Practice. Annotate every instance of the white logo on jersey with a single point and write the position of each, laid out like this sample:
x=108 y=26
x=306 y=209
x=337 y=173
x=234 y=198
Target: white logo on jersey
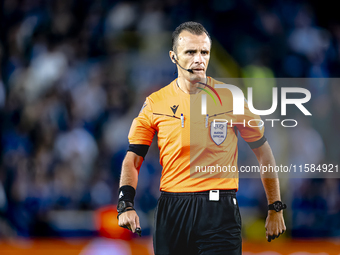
x=218 y=131
x=121 y=194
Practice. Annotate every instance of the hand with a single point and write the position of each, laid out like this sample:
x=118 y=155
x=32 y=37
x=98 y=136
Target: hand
x=129 y=220
x=275 y=225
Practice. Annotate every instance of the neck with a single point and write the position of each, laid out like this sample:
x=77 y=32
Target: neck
x=190 y=87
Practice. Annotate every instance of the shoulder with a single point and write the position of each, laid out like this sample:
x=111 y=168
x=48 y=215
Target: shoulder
x=225 y=92
x=162 y=94
x=214 y=81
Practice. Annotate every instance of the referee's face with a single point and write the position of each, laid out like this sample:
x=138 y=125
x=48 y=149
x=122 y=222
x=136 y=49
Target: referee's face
x=193 y=52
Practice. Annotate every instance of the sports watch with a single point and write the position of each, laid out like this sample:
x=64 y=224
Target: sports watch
x=277 y=206
x=122 y=205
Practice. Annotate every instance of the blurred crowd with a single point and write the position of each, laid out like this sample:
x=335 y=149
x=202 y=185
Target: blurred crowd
x=75 y=73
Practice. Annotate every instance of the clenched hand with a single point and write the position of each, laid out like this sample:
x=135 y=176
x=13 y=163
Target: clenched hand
x=129 y=220
x=275 y=225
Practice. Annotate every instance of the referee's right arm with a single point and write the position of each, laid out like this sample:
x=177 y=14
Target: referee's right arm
x=141 y=134
x=129 y=177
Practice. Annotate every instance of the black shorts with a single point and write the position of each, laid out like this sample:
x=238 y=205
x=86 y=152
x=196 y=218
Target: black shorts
x=189 y=223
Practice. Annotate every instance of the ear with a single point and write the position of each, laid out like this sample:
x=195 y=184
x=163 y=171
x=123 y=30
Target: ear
x=172 y=56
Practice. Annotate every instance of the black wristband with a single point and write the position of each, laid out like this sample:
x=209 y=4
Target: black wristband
x=126 y=193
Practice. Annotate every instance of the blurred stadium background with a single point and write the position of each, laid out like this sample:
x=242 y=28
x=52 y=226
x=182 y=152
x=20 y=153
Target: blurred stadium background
x=74 y=73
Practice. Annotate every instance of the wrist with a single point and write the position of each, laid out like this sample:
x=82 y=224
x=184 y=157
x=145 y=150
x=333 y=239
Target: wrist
x=272 y=212
x=123 y=206
x=126 y=199
x=126 y=193
x=277 y=206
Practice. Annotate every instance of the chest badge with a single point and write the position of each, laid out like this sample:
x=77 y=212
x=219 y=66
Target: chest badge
x=174 y=108
x=218 y=131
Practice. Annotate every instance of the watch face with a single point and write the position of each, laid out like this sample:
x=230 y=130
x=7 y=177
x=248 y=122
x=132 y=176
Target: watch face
x=277 y=206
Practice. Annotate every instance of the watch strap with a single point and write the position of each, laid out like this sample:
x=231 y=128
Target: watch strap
x=277 y=206
x=126 y=205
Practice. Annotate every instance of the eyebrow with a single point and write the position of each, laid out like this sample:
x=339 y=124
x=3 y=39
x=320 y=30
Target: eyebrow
x=194 y=50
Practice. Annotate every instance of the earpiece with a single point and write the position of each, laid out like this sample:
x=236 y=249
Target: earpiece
x=189 y=70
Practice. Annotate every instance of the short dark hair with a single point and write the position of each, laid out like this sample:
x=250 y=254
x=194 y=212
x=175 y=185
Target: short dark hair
x=190 y=26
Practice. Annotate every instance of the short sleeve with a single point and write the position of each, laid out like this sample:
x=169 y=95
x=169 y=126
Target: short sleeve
x=251 y=127
x=142 y=129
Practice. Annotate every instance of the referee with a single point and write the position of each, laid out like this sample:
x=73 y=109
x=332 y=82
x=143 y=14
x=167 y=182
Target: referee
x=197 y=213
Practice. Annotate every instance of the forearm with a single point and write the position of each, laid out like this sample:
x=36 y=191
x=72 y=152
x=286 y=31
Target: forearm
x=269 y=179
x=129 y=175
x=272 y=189
x=130 y=170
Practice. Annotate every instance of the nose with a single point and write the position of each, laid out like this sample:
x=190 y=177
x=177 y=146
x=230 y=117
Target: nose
x=198 y=58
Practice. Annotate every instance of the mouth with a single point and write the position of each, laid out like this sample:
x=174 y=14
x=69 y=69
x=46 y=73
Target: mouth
x=197 y=70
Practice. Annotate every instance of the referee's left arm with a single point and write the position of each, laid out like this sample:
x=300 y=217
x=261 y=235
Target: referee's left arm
x=275 y=224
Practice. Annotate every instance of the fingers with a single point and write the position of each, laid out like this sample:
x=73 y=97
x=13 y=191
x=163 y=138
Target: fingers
x=137 y=221
x=133 y=225
x=272 y=237
x=125 y=221
x=129 y=220
x=275 y=226
x=274 y=231
x=139 y=231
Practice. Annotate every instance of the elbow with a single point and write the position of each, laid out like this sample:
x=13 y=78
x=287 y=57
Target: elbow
x=127 y=163
x=132 y=162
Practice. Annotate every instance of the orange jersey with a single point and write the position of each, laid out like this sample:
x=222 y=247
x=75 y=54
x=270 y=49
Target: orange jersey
x=190 y=144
